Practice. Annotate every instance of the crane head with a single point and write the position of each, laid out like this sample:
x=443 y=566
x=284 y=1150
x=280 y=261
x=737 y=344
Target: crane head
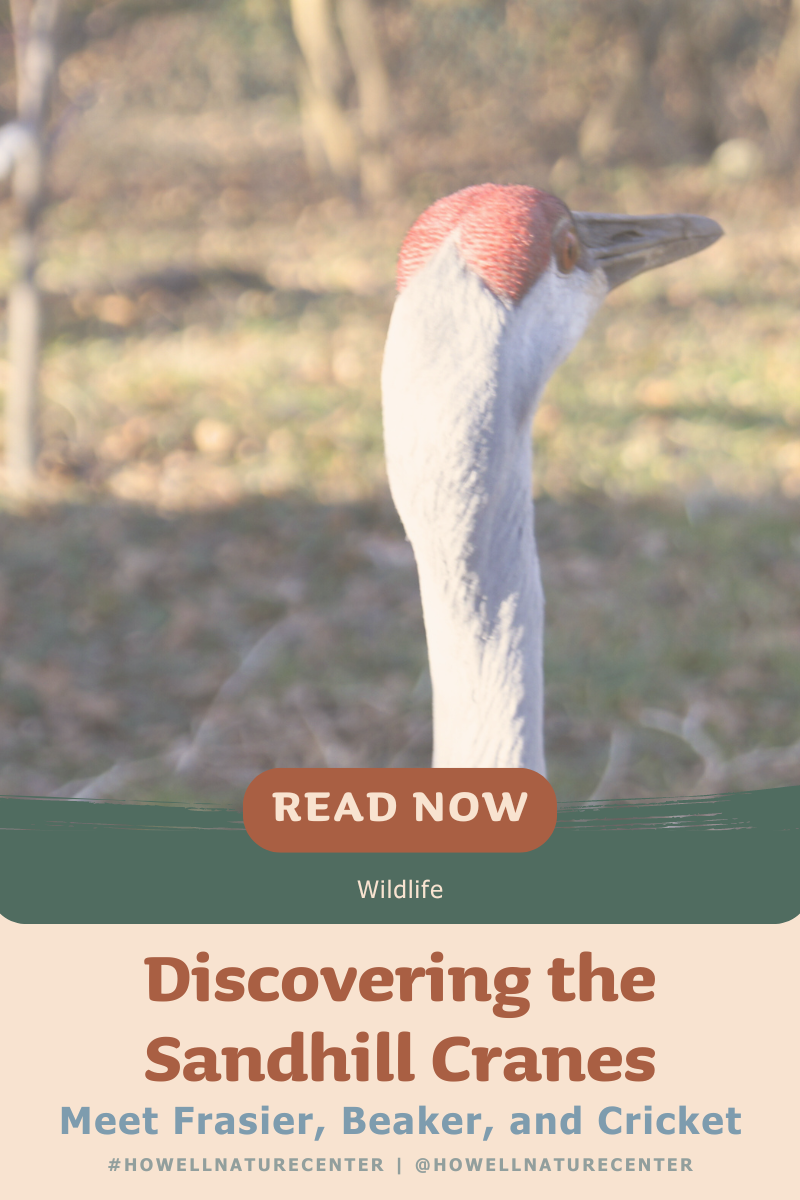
x=496 y=286
x=513 y=266
x=510 y=236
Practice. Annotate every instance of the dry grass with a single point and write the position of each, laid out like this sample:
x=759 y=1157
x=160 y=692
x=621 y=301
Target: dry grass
x=214 y=494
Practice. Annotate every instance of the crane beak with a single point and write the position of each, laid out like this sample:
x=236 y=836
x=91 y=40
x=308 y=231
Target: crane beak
x=626 y=246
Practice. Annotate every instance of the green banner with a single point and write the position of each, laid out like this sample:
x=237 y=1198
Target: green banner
x=726 y=859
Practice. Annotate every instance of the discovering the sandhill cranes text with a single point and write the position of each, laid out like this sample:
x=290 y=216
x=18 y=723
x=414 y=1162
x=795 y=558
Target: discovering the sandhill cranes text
x=496 y=286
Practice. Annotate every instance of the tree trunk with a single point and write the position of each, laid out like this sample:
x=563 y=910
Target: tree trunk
x=34 y=24
x=327 y=130
x=782 y=102
x=374 y=97
x=357 y=155
x=632 y=104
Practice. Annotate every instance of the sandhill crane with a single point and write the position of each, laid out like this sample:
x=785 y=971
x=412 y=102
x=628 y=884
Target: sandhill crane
x=496 y=285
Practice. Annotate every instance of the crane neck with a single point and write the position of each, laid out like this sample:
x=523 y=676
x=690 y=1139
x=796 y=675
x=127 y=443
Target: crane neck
x=457 y=413
x=483 y=607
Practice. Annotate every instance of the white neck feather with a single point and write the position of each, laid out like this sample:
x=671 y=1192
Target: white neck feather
x=461 y=378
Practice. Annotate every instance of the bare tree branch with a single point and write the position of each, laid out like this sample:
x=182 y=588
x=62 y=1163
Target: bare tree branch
x=719 y=772
x=34 y=42
x=619 y=757
x=15 y=143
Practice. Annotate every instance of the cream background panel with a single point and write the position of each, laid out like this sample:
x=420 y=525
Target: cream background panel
x=77 y=1022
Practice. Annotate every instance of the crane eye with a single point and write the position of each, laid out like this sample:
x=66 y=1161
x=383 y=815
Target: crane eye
x=568 y=250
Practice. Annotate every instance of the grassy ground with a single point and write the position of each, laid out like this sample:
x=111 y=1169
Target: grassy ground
x=214 y=491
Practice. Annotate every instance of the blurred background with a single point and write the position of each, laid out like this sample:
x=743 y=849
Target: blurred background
x=201 y=571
